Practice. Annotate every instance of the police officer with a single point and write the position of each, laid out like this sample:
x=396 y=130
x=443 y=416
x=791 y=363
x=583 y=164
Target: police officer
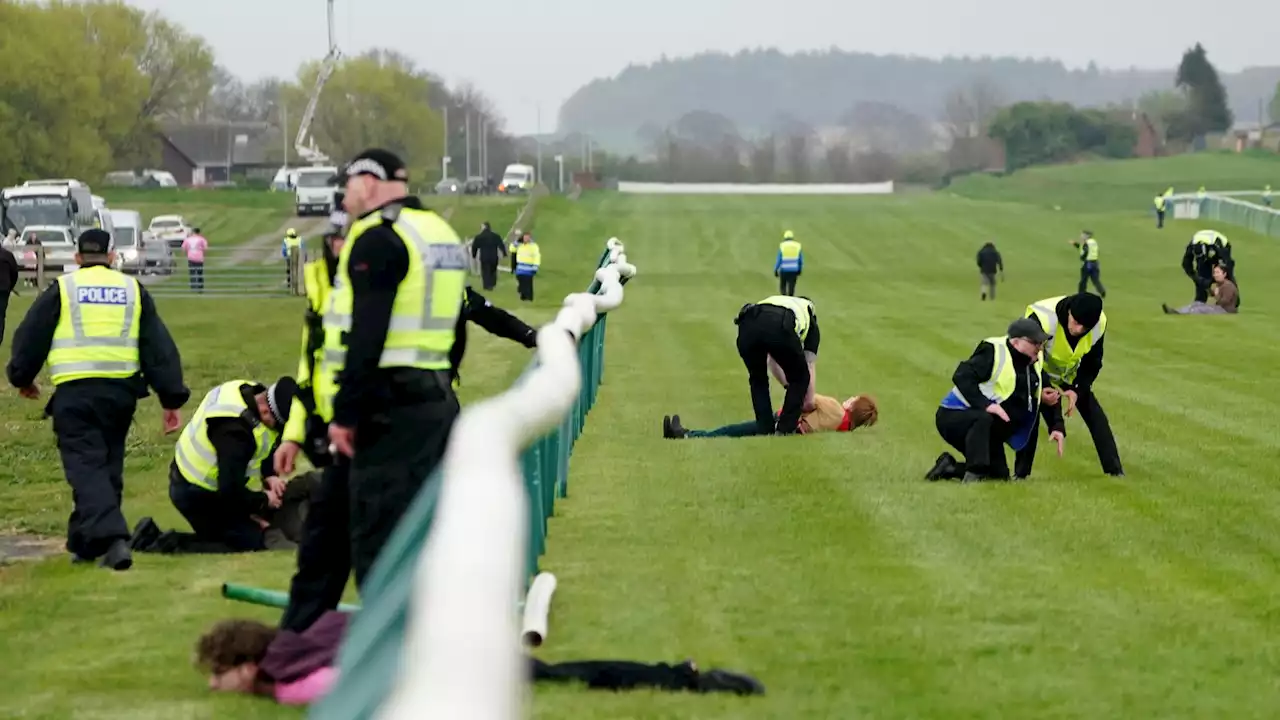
x=227 y=445
x=1089 y=269
x=1073 y=353
x=786 y=329
x=528 y=260
x=513 y=246
x=789 y=264
x=1161 y=205
x=292 y=245
x=101 y=335
x=1207 y=249
x=996 y=398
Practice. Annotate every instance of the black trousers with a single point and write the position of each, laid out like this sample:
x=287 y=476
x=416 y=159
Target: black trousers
x=217 y=528
x=513 y=263
x=787 y=283
x=195 y=272
x=489 y=272
x=524 y=283
x=979 y=437
x=4 y=310
x=766 y=331
x=1104 y=441
x=1159 y=218
x=617 y=674
x=1090 y=271
x=324 y=551
x=92 y=423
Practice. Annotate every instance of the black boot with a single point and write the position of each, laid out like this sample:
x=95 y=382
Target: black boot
x=118 y=556
x=943 y=467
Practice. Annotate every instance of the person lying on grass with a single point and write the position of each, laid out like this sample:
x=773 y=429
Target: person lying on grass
x=249 y=657
x=820 y=413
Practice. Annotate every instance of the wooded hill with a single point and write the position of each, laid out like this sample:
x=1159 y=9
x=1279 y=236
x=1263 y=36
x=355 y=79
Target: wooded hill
x=767 y=91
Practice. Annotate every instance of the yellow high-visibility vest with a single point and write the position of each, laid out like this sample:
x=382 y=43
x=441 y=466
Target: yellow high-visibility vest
x=798 y=307
x=1061 y=361
x=292 y=241
x=1209 y=237
x=1159 y=202
x=428 y=300
x=195 y=456
x=315 y=280
x=1003 y=381
x=1091 y=250
x=98 y=326
x=528 y=258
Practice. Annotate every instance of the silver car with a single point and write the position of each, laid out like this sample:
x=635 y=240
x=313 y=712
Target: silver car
x=157 y=256
x=59 y=248
x=128 y=241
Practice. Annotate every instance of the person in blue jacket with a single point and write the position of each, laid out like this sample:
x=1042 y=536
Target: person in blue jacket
x=789 y=264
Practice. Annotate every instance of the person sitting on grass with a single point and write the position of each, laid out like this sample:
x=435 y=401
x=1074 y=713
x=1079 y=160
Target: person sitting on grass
x=1226 y=298
x=249 y=657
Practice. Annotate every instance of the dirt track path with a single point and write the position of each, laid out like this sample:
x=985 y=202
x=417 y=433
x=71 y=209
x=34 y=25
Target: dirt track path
x=266 y=248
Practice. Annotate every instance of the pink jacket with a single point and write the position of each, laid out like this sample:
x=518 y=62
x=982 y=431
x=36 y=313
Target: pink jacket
x=195 y=245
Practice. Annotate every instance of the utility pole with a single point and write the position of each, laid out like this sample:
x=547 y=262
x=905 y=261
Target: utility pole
x=591 y=166
x=467 y=134
x=284 y=131
x=444 y=157
x=538 y=109
x=560 y=162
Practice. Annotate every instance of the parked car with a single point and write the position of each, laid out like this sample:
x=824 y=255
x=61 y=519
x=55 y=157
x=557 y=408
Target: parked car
x=171 y=229
x=157 y=255
x=448 y=186
x=475 y=185
x=59 y=248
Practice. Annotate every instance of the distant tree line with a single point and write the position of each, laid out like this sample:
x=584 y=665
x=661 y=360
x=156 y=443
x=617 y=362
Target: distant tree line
x=88 y=87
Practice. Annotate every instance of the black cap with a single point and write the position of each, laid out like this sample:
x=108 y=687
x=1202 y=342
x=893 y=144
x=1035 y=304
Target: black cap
x=280 y=398
x=1086 y=308
x=94 y=242
x=381 y=164
x=1027 y=329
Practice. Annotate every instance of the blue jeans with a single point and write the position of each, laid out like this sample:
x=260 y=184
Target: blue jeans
x=742 y=429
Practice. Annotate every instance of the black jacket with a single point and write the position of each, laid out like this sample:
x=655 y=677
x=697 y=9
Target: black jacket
x=977 y=369
x=234 y=444
x=8 y=271
x=989 y=260
x=494 y=319
x=157 y=353
x=1091 y=363
x=488 y=246
x=1202 y=265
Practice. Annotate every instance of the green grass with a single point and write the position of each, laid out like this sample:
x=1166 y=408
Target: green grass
x=1122 y=184
x=223 y=226
x=825 y=565
x=238 y=199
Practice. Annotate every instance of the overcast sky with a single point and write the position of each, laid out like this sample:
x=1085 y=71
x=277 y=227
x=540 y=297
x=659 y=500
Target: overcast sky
x=530 y=53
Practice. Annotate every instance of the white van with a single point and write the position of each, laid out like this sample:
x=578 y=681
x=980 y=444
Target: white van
x=517 y=178
x=128 y=240
x=314 y=190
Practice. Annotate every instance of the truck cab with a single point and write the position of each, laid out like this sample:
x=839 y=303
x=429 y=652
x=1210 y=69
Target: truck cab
x=517 y=178
x=65 y=203
x=314 y=189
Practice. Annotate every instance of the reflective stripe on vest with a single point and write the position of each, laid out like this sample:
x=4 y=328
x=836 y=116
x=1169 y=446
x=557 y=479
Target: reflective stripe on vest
x=1000 y=387
x=528 y=258
x=798 y=307
x=1209 y=237
x=1061 y=361
x=427 y=305
x=98 y=326
x=1091 y=250
x=790 y=252
x=195 y=456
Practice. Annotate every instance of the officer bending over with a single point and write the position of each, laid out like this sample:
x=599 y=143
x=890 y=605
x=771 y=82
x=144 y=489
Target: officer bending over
x=786 y=329
x=996 y=399
x=227 y=445
x=1075 y=325
x=105 y=343
x=1208 y=249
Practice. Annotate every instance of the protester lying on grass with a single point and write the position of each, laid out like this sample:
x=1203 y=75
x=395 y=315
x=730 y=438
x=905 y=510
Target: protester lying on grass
x=245 y=656
x=828 y=415
x=1226 y=298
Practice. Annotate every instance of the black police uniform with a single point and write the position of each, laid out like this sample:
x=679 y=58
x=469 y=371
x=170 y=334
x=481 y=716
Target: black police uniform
x=766 y=331
x=488 y=247
x=1198 y=261
x=8 y=284
x=403 y=415
x=91 y=417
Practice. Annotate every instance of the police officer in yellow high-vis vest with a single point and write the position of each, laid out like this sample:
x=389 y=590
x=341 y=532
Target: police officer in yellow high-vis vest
x=1207 y=250
x=101 y=336
x=997 y=397
x=786 y=329
x=528 y=261
x=1076 y=326
x=291 y=250
x=1089 y=268
x=789 y=264
x=390 y=320
x=1162 y=205
x=225 y=449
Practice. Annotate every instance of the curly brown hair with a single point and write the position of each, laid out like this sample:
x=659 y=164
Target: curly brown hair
x=865 y=412
x=233 y=642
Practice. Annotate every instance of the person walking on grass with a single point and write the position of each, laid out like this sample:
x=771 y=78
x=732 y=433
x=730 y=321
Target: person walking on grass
x=195 y=245
x=989 y=262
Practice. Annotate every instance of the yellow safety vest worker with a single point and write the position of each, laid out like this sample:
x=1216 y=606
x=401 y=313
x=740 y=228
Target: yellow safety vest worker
x=798 y=307
x=1091 y=250
x=195 y=456
x=528 y=259
x=292 y=241
x=98 y=326
x=1000 y=386
x=788 y=256
x=1160 y=202
x=428 y=300
x=1062 y=361
x=315 y=280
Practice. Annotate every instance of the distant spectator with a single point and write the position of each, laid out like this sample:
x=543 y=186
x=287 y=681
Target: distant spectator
x=195 y=246
x=989 y=261
x=487 y=247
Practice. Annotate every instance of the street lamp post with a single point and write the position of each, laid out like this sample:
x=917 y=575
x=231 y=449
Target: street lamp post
x=560 y=163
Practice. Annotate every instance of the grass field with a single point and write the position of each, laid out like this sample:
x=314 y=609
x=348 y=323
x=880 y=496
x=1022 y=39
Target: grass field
x=824 y=565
